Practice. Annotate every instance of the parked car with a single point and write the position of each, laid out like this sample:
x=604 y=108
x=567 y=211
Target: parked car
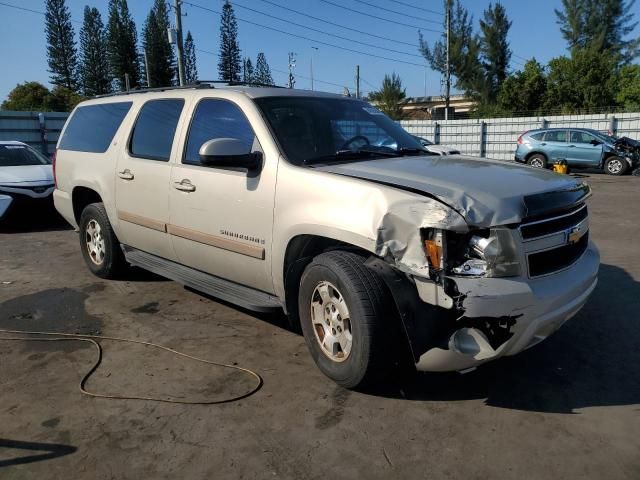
x=580 y=147
x=277 y=198
x=437 y=149
x=26 y=178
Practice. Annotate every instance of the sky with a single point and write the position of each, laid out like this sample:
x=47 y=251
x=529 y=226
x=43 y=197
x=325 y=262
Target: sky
x=534 y=33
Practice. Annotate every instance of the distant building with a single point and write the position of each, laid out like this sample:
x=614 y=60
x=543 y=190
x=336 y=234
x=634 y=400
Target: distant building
x=432 y=108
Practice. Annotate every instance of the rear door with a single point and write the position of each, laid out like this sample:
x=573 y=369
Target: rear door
x=142 y=177
x=581 y=152
x=221 y=218
x=554 y=144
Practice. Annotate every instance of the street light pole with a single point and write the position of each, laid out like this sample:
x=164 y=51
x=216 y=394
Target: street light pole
x=316 y=49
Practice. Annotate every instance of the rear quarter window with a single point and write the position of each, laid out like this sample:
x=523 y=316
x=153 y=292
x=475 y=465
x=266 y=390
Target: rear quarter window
x=537 y=136
x=91 y=128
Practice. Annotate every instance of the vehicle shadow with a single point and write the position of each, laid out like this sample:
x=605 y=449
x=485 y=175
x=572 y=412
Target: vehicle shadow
x=591 y=361
x=45 y=451
x=48 y=220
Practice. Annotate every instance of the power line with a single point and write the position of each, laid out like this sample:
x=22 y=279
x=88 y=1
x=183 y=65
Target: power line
x=287 y=73
x=30 y=10
x=318 y=42
x=325 y=33
x=417 y=8
x=380 y=18
x=351 y=29
x=397 y=13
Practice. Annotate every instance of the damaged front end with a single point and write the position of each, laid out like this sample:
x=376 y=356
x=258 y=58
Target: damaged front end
x=466 y=295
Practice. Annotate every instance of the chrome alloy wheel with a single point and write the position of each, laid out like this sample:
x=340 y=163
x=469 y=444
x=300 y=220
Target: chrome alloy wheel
x=95 y=242
x=614 y=166
x=331 y=322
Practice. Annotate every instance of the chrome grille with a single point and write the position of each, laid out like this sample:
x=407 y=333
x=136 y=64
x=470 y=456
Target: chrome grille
x=554 y=243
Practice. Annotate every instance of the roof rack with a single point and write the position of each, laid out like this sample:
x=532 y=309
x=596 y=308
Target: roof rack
x=197 y=84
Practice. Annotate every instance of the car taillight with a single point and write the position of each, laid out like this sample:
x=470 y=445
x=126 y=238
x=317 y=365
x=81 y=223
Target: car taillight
x=53 y=163
x=520 y=139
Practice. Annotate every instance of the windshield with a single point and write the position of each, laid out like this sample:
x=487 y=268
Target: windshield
x=313 y=128
x=20 y=156
x=603 y=136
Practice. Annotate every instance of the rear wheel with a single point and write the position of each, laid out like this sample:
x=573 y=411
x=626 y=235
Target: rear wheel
x=537 y=160
x=345 y=319
x=99 y=244
x=615 y=165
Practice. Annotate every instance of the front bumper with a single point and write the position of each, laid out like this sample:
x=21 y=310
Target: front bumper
x=13 y=198
x=531 y=308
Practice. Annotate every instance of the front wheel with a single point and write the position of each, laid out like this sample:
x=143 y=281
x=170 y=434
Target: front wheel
x=615 y=165
x=345 y=318
x=99 y=244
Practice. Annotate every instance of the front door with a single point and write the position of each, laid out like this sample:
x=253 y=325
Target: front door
x=584 y=150
x=142 y=178
x=555 y=145
x=221 y=219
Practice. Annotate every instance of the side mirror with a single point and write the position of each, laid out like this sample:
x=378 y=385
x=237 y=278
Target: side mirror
x=595 y=142
x=229 y=152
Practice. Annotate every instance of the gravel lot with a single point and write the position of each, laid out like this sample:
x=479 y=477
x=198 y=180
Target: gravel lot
x=567 y=408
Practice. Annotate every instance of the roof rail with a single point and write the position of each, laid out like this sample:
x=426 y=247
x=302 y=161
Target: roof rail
x=197 y=84
x=238 y=83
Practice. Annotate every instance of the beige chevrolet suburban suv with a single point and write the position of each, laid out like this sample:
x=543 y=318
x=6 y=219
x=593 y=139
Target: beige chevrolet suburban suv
x=322 y=206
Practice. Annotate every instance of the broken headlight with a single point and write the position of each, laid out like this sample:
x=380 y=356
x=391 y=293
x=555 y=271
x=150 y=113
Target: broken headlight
x=488 y=253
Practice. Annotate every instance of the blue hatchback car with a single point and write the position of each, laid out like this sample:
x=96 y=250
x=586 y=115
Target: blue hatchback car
x=580 y=147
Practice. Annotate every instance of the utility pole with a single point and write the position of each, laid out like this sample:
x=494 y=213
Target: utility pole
x=316 y=49
x=176 y=7
x=292 y=64
x=127 y=85
x=447 y=98
x=357 y=81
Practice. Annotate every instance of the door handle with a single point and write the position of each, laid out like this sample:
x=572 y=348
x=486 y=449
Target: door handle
x=126 y=174
x=184 y=186
x=570 y=146
x=543 y=144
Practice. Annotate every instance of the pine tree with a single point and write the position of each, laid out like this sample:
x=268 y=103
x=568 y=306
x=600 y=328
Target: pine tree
x=122 y=45
x=390 y=96
x=262 y=73
x=94 y=71
x=494 y=47
x=61 y=48
x=229 y=67
x=600 y=25
x=190 y=67
x=464 y=51
x=160 y=57
x=247 y=71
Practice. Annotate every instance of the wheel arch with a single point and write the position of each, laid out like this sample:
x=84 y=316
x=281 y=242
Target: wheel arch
x=300 y=251
x=81 y=197
x=536 y=152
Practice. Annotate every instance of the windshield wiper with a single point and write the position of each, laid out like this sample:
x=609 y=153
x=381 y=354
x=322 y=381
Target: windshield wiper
x=350 y=155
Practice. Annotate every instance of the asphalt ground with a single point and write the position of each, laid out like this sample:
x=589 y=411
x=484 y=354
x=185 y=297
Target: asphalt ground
x=567 y=408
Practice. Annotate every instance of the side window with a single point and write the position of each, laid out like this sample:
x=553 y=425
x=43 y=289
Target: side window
x=216 y=119
x=555 y=136
x=581 y=137
x=537 y=136
x=91 y=128
x=155 y=128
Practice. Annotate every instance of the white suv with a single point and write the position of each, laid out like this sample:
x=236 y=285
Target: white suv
x=322 y=206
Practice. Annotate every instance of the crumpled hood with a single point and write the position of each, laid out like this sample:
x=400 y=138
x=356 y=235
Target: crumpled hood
x=28 y=175
x=485 y=192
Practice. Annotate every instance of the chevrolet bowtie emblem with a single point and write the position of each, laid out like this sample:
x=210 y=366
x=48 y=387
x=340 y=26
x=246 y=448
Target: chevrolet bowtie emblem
x=574 y=234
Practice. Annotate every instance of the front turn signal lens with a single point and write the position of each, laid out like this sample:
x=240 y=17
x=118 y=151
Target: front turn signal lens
x=434 y=252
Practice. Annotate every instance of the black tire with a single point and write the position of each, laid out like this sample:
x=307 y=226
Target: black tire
x=537 y=160
x=370 y=318
x=113 y=263
x=615 y=165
